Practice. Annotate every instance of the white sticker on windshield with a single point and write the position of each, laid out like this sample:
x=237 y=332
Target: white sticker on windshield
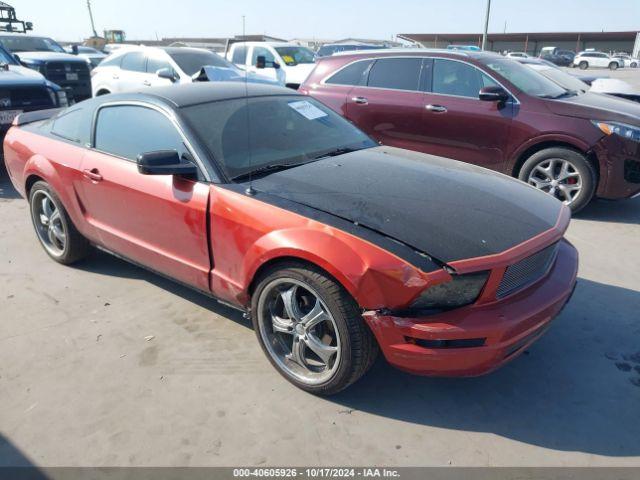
x=307 y=110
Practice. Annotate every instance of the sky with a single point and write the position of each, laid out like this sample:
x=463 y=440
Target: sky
x=322 y=19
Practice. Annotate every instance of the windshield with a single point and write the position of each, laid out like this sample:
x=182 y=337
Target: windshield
x=192 y=61
x=294 y=55
x=30 y=44
x=563 y=79
x=264 y=132
x=525 y=79
x=5 y=57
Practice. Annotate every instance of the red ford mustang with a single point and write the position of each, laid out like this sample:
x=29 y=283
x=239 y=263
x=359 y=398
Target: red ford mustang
x=269 y=201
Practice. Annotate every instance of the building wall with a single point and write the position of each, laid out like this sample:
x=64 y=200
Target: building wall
x=533 y=46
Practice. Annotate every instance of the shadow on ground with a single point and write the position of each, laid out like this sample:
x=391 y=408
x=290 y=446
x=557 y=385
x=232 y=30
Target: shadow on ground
x=6 y=188
x=623 y=211
x=15 y=465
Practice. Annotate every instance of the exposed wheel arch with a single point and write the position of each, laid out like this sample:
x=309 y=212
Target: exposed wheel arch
x=31 y=179
x=102 y=91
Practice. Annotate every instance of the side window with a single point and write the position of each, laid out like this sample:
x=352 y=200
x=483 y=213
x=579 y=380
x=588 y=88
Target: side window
x=111 y=61
x=127 y=131
x=134 y=62
x=353 y=74
x=261 y=51
x=396 y=73
x=451 y=77
x=154 y=64
x=72 y=125
x=239 y=55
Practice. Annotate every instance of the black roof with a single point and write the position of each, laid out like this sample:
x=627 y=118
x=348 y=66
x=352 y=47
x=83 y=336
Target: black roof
x=178 y=96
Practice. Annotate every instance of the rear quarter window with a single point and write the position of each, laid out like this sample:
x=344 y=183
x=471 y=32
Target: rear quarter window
x=73 y=125
x=353 y=74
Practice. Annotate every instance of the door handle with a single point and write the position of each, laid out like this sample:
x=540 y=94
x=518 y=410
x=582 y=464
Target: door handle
x=360 y=100
x=436 y=108
x=147 y=83
x=93 y=174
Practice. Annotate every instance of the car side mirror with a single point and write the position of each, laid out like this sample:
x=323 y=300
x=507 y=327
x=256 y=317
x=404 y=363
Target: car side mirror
x=167 y=73
x=276 y=65
x=74 y=50
x=261 y=62
x=165 y=162
x=493 y=94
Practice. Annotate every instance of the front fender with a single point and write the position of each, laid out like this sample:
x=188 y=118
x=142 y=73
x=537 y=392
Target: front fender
x=374 y=277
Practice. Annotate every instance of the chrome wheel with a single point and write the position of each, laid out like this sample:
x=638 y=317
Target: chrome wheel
x=557 y=177
x=47 y=220
x=298 y=331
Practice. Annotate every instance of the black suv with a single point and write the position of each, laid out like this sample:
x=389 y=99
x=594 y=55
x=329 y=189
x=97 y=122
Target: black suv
x=50 y=59
x=23 y=90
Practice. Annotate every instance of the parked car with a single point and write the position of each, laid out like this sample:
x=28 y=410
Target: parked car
x=331 y=48
x=584 y=60
x=456 y=275
x=517 y=55
x=557 y=56
x=578 y=83
x=49 y=58
x=93 y=56
x=627 y=60
x=24 y=90
x=133 y=68
x=284 y=62
x=464 y=48
x=492 y=111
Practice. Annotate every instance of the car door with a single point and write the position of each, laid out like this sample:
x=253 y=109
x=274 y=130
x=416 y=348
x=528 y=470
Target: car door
x=133 y=72
x=461 y=126
x=389 y=106
x=158 y=221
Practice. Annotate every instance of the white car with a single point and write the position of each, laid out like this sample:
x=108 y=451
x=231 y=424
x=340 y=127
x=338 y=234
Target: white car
x=517 y=55
x=93 y=56
x=284 y=62
x=587 y=59
x=628 y=60
x=134 y=68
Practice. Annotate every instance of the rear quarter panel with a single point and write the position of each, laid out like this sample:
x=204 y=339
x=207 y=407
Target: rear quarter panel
x=30 y=155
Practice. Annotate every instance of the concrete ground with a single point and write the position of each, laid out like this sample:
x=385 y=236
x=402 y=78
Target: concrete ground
x=83 y=383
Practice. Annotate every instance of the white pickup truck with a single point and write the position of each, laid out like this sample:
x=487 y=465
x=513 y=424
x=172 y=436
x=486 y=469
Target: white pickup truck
x=288 y=63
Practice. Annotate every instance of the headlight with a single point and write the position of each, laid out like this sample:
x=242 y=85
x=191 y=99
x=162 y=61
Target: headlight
x=460 y=291
x=63 y=101
x=614 y=128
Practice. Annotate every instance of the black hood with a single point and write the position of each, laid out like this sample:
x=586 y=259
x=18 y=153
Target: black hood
x=444 y=208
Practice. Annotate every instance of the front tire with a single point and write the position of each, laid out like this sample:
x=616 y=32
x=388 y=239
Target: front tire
x=55 y=230
x=583 y=65
x=613 y=66
x=563 y=173
x=311 y=329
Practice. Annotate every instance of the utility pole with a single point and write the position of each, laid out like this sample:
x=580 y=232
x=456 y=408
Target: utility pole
x=486 y=26
x=243 y=30
x=93 y=26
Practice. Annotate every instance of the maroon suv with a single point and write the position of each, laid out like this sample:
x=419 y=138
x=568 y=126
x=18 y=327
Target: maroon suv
x=488 y=110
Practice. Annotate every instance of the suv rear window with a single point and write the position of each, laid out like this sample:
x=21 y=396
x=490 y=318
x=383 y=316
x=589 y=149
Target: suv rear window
x=353 y=74
x=396 y=73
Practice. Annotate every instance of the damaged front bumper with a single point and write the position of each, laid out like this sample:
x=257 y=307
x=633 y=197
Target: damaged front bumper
x=477 y=339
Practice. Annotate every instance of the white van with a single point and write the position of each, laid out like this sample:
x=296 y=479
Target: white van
x=286 y=62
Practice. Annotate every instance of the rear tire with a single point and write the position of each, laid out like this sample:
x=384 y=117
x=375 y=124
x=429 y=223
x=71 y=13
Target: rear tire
x=55 y=230
x=613 y=66
x=583 y=65
x=575 y=185
x=634 y=65
x=347 y=348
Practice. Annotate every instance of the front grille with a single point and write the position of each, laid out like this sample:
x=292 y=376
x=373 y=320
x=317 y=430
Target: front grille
x=25 y=98
x=57 y=72
x=527 y=271
x=632 y=171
